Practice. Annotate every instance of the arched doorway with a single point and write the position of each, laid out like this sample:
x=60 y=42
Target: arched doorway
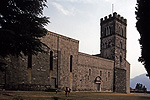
x=98 y=82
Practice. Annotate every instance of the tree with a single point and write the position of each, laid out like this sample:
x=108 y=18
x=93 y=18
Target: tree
x=21 y=27
x=140 y=87
x=142 y=25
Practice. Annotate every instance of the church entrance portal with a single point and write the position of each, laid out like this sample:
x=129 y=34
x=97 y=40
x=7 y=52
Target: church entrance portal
x=98 y=87
x=98 y=82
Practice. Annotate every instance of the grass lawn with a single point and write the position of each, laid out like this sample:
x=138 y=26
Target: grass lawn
x=39 y=95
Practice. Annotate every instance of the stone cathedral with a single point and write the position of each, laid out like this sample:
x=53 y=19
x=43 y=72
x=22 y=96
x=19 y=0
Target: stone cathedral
x=64 y=66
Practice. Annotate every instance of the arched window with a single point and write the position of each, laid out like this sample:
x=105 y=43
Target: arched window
x=51 y=60
x=71 y=63
x=107 y=31
x=121 y=31
x=108 y=74
x=100 y=73
x=120 y=58
x=121 y=45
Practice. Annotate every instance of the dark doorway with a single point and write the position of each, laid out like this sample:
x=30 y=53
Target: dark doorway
x=53 y=83
x=98 y=87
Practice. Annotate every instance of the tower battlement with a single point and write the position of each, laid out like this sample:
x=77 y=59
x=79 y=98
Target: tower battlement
x=112 y=17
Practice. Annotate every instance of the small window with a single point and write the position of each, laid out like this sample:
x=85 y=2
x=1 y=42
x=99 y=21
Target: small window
x=100 y=73
x=107 y=31
x=120 y=58
x=121 y=45
x=51 y=60
x=89 y=72
x=121 y=31
x=71 y=63
x=108 y=74
x=110 y=30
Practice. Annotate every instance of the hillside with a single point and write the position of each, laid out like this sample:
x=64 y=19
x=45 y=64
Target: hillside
x=143 y=79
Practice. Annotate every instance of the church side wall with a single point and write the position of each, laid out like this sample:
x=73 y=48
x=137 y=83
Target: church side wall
x=19 y=77
x=85 y=69
x=89 y=68
x=40 y=77
x=66 y=47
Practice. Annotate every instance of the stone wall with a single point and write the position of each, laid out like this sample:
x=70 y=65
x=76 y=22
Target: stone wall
x=19 y=77
x=10 y=74
x=68 y=47
x=107 y=47
x=85 y=69
x=120 y=80
x=120 y=51
x=40 y=76
x=89 y=68
x=127 y=77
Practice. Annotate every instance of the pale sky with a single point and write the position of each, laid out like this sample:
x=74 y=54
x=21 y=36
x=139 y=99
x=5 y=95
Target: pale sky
x=80 y=19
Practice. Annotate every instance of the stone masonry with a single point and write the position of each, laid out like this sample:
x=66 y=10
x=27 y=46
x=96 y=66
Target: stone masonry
x=113 y=46
x=64 y=66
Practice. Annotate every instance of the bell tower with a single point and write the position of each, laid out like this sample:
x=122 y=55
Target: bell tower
x=113 y=47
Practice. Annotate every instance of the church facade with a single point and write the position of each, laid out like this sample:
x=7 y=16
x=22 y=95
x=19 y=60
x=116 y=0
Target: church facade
x=64 y=66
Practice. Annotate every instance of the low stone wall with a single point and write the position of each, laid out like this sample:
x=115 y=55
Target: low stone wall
x=27 y=87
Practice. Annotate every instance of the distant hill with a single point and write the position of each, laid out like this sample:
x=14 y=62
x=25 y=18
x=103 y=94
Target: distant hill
x=143 y=79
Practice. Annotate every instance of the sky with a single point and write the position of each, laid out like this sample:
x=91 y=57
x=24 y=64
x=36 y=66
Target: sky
x=80 y=20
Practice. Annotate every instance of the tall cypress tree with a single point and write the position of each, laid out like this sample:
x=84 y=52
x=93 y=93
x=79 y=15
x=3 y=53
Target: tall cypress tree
x=21 y=27
x=143 y=27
